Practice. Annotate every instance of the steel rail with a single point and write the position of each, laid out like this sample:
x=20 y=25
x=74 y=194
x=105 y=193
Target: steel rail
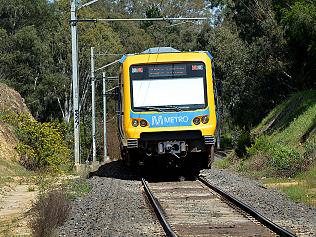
x=159 y=211
x=250 y=210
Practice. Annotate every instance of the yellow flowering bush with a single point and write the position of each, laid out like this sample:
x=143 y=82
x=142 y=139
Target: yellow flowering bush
x=41 y=145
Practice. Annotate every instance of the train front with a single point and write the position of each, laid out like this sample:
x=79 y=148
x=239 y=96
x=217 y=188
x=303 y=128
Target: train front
x=168 y=108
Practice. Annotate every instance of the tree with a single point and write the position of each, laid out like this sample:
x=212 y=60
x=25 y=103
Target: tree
x=299 y=22
x=249 y=50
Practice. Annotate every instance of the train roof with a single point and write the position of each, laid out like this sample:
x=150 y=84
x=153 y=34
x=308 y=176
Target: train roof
x=161 y=50
x=158 y=50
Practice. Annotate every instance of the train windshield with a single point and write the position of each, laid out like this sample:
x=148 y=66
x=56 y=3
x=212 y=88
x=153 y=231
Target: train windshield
x=168 y=87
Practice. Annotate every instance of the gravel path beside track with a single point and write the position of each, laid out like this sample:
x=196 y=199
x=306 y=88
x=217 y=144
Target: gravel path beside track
x=114 y=207
x=296 y=217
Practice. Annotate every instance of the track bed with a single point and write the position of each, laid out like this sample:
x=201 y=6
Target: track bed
x=192 y=209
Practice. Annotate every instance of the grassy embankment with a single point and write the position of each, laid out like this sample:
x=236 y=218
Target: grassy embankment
x=283 y=150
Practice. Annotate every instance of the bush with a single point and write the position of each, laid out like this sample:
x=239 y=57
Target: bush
x=49 y=212
x=284 y=159
x=41 y=145
x=226 y=141
x=244 y=141
x=261 y=145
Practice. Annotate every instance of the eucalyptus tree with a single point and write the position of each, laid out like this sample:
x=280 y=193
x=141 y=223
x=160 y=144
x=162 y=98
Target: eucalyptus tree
x=250 y=50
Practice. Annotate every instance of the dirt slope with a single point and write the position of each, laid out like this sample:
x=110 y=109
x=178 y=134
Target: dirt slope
x=15 y=196
x=10 y=100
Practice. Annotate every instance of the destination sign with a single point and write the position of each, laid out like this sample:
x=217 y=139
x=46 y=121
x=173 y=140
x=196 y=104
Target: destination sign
x=168 y=70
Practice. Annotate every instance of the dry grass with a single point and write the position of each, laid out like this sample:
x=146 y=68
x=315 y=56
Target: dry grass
x=49 y=212
x=257 y=162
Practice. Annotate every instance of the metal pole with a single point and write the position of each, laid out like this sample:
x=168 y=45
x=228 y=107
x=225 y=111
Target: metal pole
x=94 y=159
x=104 y=118
x=75 y=82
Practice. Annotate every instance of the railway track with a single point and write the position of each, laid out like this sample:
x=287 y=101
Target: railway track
x=197 y=208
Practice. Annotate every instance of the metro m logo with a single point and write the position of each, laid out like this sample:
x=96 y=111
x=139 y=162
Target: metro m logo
x=157 y=120
x=165 y=121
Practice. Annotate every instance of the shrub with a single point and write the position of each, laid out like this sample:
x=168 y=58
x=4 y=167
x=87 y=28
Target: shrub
x=41 y=145
x=261 y=145
x=226 y=141
x=244 y=141
x=285 y=159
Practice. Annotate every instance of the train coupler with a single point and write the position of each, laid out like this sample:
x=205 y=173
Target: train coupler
x=172 y=147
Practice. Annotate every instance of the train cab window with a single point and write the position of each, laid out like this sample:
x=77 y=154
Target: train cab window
x=178 y=86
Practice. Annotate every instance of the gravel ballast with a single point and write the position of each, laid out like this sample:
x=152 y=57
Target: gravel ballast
x=114 y=207
x=296 y=217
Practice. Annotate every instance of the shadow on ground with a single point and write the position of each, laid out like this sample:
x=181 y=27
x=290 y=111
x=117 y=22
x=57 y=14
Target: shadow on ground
x=153 y=172
x=117 y=170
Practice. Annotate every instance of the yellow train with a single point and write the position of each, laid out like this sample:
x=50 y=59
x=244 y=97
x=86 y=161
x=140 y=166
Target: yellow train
x=167 y=107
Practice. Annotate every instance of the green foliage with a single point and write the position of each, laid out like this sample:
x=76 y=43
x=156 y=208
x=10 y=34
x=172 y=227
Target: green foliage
x=244 y=141
x=310 y=151
x=262 y=145
x=299 y=22
x=301 y=104
x=11 y=171
x=222 y=163
x=277 y=159
x=226 y=141
x=280 y=159
x=286 y=138
x=285 y=159
x=301 y=193
x=41 y=145
x=78 y=188
x=242 y=166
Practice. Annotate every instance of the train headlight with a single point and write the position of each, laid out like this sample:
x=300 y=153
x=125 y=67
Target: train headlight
x=135 y=123
x=196 y=121
x=143 y=123
x=205 y=119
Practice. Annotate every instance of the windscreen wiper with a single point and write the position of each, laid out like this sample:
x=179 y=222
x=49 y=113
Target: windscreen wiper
x=151 y=108
x=171 y=107
x=163 y=108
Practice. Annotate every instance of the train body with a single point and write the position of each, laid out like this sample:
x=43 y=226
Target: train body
x=167 y=107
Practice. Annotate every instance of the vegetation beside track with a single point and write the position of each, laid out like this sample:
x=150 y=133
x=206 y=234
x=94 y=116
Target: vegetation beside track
x=282 y=148
x=33 y=155
x=54 y=202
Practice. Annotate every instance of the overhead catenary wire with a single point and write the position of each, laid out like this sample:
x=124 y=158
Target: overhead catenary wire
x=109 y=54
x=142 y=19
x=107 y=65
